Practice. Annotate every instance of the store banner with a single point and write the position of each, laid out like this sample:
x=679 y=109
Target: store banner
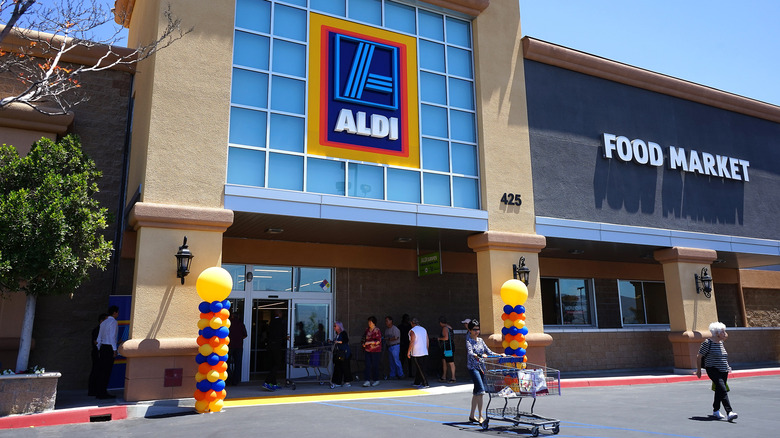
x=428 y=264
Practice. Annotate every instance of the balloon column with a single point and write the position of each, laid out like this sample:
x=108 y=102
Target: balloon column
x=213 y=286
x=514 y=293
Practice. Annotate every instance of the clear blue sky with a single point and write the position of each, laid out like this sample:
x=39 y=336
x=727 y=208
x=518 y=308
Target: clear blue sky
x=731 y=45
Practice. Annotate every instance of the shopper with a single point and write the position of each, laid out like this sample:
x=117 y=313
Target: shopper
x=372 y=345
x=107 y=349
x=476 y=349
x=342 y=354
x=393 y=342
x=418 y=351
x=447 y=349
x=717 y=366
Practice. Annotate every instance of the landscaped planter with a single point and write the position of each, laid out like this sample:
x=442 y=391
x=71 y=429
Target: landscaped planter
x=27 y=393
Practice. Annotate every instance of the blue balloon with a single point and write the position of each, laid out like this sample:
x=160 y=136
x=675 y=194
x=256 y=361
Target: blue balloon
x=521 y=352
x=218 y=385
x=226 y=304
x=508 y=309
x=199 y=358
x=223 y=358
x=216 y=306
x=222 y=332
x=524 y=331
x=509 y=351
x=504 y=331
x=204 y=307
x=203 y=386
x=212 y=359
x=208 y=332
x=519 y=309
x=513 y=330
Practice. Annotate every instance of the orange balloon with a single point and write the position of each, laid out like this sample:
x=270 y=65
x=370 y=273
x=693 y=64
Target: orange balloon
x=201 y=340
x=504 y=316
x=211 y=395
x=521 y=316
x=525 y=359
x=221 y=366
x=207 y=315
x=509 y=338
x=224 y=314
x=222 y=394
x=204 y=368
x=200 y=395
x=225 y=340
x=513 y=316
x=520 y=337
x=215 y=342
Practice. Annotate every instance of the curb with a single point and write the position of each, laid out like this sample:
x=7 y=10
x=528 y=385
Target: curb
x=648 y=380
x=65 y=416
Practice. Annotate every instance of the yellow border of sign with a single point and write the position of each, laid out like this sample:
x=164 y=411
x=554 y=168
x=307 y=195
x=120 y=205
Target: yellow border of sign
x=411 y=109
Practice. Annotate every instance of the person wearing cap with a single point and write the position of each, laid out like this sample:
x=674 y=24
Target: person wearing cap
x=476 y=349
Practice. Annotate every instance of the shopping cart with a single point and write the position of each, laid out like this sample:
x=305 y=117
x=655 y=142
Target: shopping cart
x=315 y=360
x=509 y=378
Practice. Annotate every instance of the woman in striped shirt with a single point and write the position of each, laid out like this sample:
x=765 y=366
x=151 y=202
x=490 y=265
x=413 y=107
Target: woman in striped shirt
x=717 y=366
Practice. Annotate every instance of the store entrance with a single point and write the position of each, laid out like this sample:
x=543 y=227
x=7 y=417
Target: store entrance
x=261 y=357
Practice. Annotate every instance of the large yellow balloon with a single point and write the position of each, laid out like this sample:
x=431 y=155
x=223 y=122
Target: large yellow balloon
x=514 y=292
x=205 y=349
x=214 y=284
x=221 y=350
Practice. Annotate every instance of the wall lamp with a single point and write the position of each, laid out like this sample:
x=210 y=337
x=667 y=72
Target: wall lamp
x=706 y=282
x=183 y=261
x=521 y=271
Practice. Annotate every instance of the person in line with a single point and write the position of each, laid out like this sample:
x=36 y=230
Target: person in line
x=372 y=345
x=716 y=365
x=417 y=352
x=404 y=328
x=393 y=341
x=237 y=335
x=107 y=349
x=342 y=374
x=92 y=389
x=446 y=347
x=277 y=340
x=476 y=349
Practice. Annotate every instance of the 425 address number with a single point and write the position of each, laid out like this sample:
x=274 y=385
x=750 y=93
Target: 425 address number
x=511 y=199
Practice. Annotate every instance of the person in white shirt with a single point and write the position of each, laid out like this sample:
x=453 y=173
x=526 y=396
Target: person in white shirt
x=106 y=345
x=418 y=351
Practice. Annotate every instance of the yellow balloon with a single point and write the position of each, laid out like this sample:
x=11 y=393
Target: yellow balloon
x=514 y=292
x=214 y=284
x=203 y=323
x=508 y=323
x=519 y=323
x=199 y=377
x=216 y=405
x=524 y=345
x=201 y=406
x=213 y=376
x=227 y=323
x=504 y=344
x=514 y=345
x=221 y=350
x=223 y=375
x=205 y=349
x=216 y=322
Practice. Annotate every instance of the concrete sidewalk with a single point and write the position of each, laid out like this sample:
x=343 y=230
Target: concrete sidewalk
x=75 y=407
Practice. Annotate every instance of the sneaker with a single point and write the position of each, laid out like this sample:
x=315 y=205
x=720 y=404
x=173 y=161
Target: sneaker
x=732 y=416
x=275 y=387
x=718 y=415
x=333 y=385
x=268 y=387
x=347 y=384
x=425 y=386
x=375 y=383
x=366 y=383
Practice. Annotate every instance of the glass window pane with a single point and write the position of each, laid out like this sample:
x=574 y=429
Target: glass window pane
x=314 y=280
x=312 y=322
x=465 y=192
x=431 y=25
x=249 y=88
x=464 y=159
x=254 y=14
x=461 y=93
x=272 y=278
x=631 y=302
x=551 y=309
x=296 y=2
x=403 y=185
x=289 y=58
x=325 y=176
x=237 y=273
x=366 y=181
x=287 y=133
x=251 y=50
x=247 y=127
x=462 y=126
x=285 y=172
x=335 y=7
x=459 y=62
x=437 y=189
x=458 y=32
x=369 y=11
x=431 y=56
x=434 y=121
x=436 y=155
x=433 y=88
x=287 y=94
x=290 y=22
x=246 y=167
x=575 y=301
x=655 y=303
x=399 y=17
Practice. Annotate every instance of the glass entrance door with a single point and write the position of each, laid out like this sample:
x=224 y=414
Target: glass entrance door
x=260 y=357
x=312 y=322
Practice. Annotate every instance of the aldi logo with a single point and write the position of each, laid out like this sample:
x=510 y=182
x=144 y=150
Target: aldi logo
x=362 y=93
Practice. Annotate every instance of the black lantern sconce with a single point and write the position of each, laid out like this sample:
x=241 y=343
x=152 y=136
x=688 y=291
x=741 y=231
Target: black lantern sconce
x=706 y=282
x=521 y=271
x=183 y=261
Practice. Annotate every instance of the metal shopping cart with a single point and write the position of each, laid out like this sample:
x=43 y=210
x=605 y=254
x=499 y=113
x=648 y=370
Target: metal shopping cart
x=314 y=360
x=509 y=378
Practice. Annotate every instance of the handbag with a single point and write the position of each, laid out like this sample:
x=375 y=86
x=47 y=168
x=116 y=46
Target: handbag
x=339 y=354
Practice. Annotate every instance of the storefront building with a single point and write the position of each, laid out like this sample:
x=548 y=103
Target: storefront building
x=317 y=148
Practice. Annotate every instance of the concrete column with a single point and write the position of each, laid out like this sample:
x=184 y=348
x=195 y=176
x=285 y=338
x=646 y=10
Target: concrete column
x=690 y=313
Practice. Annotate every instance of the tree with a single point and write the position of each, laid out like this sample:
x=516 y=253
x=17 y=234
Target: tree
x=50 y=223
x=37 y=38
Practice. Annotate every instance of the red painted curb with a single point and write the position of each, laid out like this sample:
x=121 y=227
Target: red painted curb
x=64 y=416
x=648 y=380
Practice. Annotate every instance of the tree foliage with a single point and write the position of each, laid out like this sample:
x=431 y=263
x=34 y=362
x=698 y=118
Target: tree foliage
x=50 y=221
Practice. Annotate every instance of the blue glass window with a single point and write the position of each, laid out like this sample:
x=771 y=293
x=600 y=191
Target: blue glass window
x=434 y=121
x=335 y=7
x=287 y=133
x=251 y=50
x=464 y=159
x=461 y=93
x=287 y=94
x=431 y=56
x=290 y=22
x=458 y=32
x=403 y=185
x=325 y=176
x=437 y=189
x=285 y=172
x=246 y=167
x=247 y=127
x=462 y=126
x=254 y=15
x=465 y=192
x=249 y=88
x=399 y=17
x=296 y=2
x=433 y=88
x=436 y=155
x=366 y=181
x=431 y=25
x=459 y=62
x=289 y=58
x=369 y=11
